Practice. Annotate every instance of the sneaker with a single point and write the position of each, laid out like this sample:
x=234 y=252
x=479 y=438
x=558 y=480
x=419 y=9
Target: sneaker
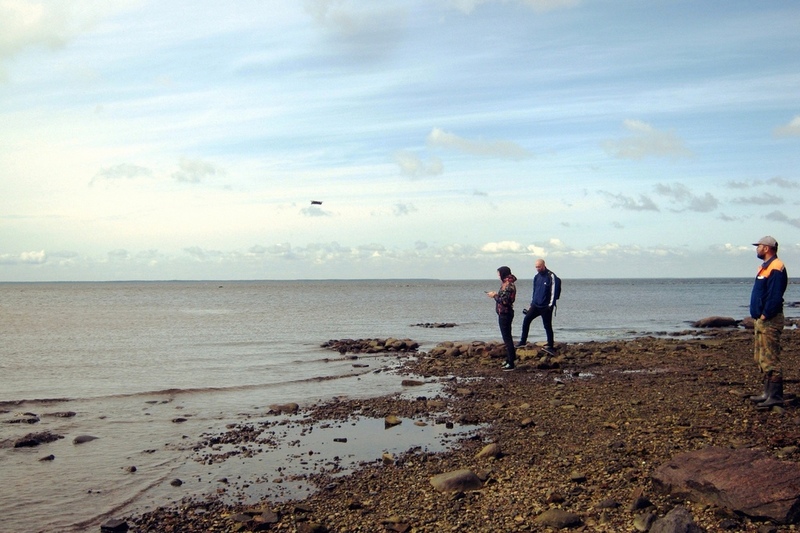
x=507 y=367
x=549 y=350
x=520 y=344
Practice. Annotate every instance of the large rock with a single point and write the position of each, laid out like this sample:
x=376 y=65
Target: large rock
x=678 y=520
x=716 y=322
x=747 y=481
x=558 y=519
x=457 y=481
x=35 y=439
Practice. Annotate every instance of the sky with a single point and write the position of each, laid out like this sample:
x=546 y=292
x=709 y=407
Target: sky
x=153 y=140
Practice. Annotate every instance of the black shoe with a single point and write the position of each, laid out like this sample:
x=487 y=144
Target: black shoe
x=520 y=344
x=507 y=367
x=549 y=350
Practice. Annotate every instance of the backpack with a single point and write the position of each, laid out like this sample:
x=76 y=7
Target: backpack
x=556 y=291
x=557 y=283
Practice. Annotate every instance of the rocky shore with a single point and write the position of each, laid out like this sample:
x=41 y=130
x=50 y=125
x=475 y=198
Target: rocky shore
x=576 y=441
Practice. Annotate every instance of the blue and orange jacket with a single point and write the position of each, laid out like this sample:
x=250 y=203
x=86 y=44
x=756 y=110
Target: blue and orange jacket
x=506 y=295
x=767 y=296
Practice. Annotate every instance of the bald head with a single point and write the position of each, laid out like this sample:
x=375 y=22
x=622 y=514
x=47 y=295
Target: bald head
x=540 y=266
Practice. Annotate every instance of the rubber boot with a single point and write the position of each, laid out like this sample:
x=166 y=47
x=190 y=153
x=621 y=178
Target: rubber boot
x=763 y=396
x=774 y=393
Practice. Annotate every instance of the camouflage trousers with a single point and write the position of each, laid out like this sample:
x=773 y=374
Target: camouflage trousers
x=767 y=348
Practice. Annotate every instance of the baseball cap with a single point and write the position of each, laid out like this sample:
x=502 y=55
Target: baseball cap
x=769 y=241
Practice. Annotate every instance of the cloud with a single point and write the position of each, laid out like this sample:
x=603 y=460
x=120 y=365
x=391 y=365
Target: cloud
x=778 y=216
x=646 y=141
x=764 y=199
x=196 y=171
x=679 y=193
x=315 y=211
x=365 y=31
x=411 y=165
x=404 y=209
x=784 y=183
x=731 y=249
x=626 y=202
x=118 y=255
x=438 y=138
x=122 y=171
x=741 y=184
x=29 y=258
x=502 y=247
x=792 y=129
x=51 y=24
x=468 y=6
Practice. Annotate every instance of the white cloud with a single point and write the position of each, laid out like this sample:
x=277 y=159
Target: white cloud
x=30 y=258
x=122 y=171
x=315 y=211
x=438 y=138
x=404 y=209
x=362 y=30
x=646 y=141
x=411 y=165
x=502 y=247
x=50 y=24
x=196 y=171
x=792 y=129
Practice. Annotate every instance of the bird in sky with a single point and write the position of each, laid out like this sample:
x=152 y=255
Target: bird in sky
x=316 y=202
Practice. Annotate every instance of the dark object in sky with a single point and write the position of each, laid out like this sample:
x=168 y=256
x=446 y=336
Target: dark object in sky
x=316 y=202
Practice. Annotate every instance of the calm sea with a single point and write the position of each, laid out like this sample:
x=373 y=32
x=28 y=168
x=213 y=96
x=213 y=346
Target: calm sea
x=130 y=357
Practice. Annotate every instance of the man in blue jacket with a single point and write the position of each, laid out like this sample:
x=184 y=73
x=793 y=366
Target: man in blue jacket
x=542 y=303
x=766 y=308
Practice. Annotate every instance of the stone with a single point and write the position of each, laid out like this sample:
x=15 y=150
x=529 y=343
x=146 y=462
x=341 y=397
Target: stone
x=643 y=522
x=716 y=322
x=35 y=439
x=678 y=520
x=114 y=525
x=558 y=519
x=81 y=439
x=746 y=481
x=391 y=420
x=490 y=450
x=457 y=480
x=285 y=408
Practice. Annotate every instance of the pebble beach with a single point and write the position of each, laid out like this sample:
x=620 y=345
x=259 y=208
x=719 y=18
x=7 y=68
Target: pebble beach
x=563 y=442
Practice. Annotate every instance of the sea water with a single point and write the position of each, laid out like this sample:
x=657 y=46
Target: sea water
x=129 y=358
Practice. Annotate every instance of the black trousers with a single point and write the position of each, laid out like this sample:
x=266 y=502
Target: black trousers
x=547 y=320
x=504 y=321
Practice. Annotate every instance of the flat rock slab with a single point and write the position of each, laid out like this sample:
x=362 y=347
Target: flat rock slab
x=748 y=481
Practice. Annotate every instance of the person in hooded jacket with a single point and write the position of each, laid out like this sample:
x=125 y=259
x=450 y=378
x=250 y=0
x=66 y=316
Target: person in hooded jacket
x=504 y=305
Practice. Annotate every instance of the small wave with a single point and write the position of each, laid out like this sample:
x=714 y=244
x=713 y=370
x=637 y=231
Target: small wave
x=192 y=390
x=16 y=403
